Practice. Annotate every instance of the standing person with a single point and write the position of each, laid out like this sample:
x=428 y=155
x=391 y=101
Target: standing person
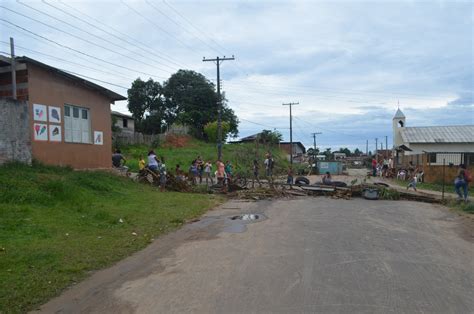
x=461 y=181
x=255 y=170
x=152 y=161
x=141 y=163
x=207 y=172
x=193 y=172
x=200 y=167
x=412 y=182
x=162 y=174
x=220 y=171
x=228 y=171
x=385 y=168
x=289 y=178
x=374 y=167
x=269 y=166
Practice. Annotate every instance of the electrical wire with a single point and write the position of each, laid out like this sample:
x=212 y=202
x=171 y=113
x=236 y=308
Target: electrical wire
x=81 y=39
x=130 y=39
x=73 y=49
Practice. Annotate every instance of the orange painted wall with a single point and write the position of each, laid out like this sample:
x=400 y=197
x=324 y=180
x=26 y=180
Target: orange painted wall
x=50 y=89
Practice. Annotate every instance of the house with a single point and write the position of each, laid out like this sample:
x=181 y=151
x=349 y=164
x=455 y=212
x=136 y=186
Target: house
x=124 y=122
x=433 y=147
x=69 y=117
x=298 y=148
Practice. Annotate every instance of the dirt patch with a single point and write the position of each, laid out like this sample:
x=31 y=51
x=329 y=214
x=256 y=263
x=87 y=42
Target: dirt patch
x=176 y=141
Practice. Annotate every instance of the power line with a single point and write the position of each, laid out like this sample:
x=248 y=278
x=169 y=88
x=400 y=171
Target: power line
x=264 y=125
x=94 y=79
x=180 y=26
x=80 y=38
x=192 y=25
x=148 y=49
x=157 y=26
x=101 y=29
x=80 y=75
x=67 y=61
x=89 y=33
x=72 y=49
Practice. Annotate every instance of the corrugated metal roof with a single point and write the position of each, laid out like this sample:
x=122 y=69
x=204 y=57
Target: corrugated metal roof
x=438 y=134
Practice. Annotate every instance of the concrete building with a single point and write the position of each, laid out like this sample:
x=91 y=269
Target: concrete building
x=125 y=122
x=69 y=117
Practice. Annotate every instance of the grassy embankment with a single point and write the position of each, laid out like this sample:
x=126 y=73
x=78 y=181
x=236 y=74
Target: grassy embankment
x=448 y=188
x=240 y=155
x=56 y=225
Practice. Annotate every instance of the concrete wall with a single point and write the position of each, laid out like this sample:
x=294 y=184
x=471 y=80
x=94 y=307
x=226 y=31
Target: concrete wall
x=130 y=124
x=51 y=89
x=15 y=143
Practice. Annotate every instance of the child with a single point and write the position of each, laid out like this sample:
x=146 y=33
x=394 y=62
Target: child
x=162 y=174
x=207 y=172
x=289 y=179
x=141 y=164
x=412 y=183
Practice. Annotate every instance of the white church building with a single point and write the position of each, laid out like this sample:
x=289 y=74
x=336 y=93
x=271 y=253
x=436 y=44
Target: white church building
x=455 y=142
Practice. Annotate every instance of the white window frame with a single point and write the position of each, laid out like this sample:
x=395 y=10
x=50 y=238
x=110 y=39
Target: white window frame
x=77 y=129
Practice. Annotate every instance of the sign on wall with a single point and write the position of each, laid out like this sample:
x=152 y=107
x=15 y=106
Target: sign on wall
x=39 y=113
x=55 y=133
x=98 y=138
x=54 y=114
x=40 y=131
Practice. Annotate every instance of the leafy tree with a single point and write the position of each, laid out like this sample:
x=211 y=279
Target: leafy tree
x=328 y=153
x=145 y=97
x=345 y=150
x=357 y=152
x=115 y=127
x=194 y=101
x=210 y=129
x=152 y=124
x=270 y=137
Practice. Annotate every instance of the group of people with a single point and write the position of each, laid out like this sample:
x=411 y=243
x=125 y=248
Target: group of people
x=383 y=168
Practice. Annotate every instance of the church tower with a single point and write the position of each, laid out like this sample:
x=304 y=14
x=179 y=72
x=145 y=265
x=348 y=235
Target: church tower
x=398 y=123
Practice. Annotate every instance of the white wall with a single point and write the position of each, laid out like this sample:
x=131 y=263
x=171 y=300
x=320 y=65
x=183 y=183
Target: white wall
x=440 y=147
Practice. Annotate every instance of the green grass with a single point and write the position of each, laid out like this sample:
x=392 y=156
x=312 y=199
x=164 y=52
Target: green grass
x=448 y=188
x=462 y=206
x=56 y=225
x=240 y=155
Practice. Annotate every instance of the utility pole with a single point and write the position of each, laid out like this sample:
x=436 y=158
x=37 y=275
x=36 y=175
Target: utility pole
x=13 y=67
x=367 y=148
x=386 y=146
x=218 y=62
x=376 y=146
x=291 y=129
x=314 y=139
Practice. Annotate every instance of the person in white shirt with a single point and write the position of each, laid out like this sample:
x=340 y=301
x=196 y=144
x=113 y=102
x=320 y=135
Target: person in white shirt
x=152 y=161
x=207 y=172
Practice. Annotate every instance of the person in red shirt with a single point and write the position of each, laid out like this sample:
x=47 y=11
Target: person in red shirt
x=374 y=167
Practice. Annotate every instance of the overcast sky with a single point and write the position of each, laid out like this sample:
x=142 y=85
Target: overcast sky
x=347 y=63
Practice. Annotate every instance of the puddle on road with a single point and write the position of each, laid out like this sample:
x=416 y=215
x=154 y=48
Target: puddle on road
x=246 y=217
x=238 y=224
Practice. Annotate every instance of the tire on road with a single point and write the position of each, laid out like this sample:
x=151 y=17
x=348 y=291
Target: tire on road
x=301 y=181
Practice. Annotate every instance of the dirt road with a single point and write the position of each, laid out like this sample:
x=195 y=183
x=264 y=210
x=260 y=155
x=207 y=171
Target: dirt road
x=310 y=255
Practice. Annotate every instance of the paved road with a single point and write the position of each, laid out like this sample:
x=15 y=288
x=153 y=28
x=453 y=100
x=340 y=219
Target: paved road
x=311 y=255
